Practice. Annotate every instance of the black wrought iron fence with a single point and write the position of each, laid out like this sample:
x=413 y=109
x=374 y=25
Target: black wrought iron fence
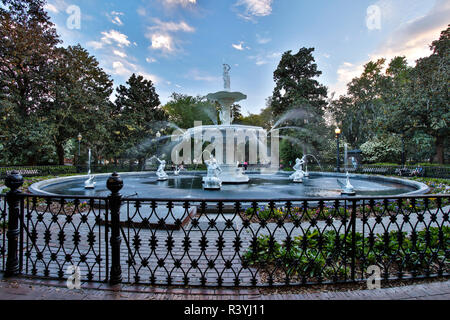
x=225 y=242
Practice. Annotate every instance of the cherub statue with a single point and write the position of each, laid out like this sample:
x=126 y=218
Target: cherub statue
x=212 y=180
x=298 y=175
x=160 y=173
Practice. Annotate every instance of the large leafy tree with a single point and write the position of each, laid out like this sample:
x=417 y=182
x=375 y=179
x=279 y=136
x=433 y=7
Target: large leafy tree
x=80 y=92
x=184 y=110
x=138 y=115
x=299 y=100
x=429 y=94
x=27 y=40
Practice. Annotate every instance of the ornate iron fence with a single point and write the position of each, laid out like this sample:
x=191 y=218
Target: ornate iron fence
x=225 y=243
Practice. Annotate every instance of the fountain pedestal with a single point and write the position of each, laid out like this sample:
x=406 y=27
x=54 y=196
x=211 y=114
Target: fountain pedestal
x=232 y=174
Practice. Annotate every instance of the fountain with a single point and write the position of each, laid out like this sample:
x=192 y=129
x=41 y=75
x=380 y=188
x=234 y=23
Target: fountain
x=298 y=175
x=227 y=143
x=89 y=183
x=160 y=173
x=231 y=173
x=212 y=180
x=348 y=189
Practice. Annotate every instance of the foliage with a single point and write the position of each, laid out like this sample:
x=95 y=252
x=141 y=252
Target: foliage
x=319 y=253
x=184 y=110
x=138 y=115
x=380 y=149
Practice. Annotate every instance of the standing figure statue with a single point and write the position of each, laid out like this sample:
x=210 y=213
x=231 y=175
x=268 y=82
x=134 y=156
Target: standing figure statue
x=226 y=77
x=160 y=173
x=212 y=180
x=298 y=175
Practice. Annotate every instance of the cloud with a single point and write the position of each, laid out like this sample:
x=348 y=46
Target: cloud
x=171 y=26
x=197 y=75
x=182 y=3
x=161 y=34
x=115 y=36
x=120 y=53
x=265 y=58
x=240 y=46
x=115 y=17
x=162 y=42
x=262 y=40
x=95 y=44
x=255 y=8
x=50 y=7
x=150 y=60
x=126 y=69
x=411 y=39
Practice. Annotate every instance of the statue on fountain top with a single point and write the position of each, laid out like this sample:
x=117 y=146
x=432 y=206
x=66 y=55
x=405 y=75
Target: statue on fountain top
x=298 y=175
x=160 y=173
x=226 y=77
x=212 y=180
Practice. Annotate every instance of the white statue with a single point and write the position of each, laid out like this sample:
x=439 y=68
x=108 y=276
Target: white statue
x=226 y=77
x=212 y=180
x=298 y=175
x=90 y=183
x=160 y=173
x=177 y=170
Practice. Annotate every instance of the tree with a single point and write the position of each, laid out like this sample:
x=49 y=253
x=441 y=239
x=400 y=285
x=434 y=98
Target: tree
x=80 y=92
x=27 y=40
x=295 y=84
x=138 y=115
x=184 y=110
x=429 y=95
x=297 y=89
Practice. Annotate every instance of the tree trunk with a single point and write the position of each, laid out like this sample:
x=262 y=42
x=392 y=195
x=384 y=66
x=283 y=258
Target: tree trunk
x=60 y=152
x=439 y=157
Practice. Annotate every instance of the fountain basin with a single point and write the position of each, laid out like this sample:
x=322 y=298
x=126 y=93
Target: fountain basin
x=189 y=185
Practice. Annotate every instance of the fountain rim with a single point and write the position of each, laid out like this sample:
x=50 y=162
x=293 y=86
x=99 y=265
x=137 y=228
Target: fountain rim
x=421 y=188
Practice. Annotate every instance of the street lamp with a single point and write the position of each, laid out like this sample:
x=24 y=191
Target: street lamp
x=338 y=133
x=79 y=143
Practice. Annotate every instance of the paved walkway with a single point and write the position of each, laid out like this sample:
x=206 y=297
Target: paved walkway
x=29 y=289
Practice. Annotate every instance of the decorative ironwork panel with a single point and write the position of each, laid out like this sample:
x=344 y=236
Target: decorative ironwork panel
x=3 y=229
x=62 y=233
x=235 y=243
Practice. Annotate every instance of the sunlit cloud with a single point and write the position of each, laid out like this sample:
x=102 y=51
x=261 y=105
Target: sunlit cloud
x=182 y=3
x=115 y=36
x=120 y=53
x=162 y=42
x=161 y=34
x=255 y=8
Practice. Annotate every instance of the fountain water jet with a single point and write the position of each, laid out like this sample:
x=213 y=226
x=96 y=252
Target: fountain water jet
x=89 y=183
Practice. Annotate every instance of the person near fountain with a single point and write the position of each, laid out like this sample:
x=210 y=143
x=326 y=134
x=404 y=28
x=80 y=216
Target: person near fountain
x=160 y=173
x=298 y=175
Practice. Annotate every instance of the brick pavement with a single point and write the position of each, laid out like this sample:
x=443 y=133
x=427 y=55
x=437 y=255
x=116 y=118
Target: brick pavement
x=31 y=289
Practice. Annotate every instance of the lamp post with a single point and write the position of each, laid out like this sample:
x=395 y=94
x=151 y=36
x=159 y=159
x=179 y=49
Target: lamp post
x=79 y=146
x=338 y=133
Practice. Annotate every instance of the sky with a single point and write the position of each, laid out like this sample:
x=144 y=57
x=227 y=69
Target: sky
x=181 y=45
